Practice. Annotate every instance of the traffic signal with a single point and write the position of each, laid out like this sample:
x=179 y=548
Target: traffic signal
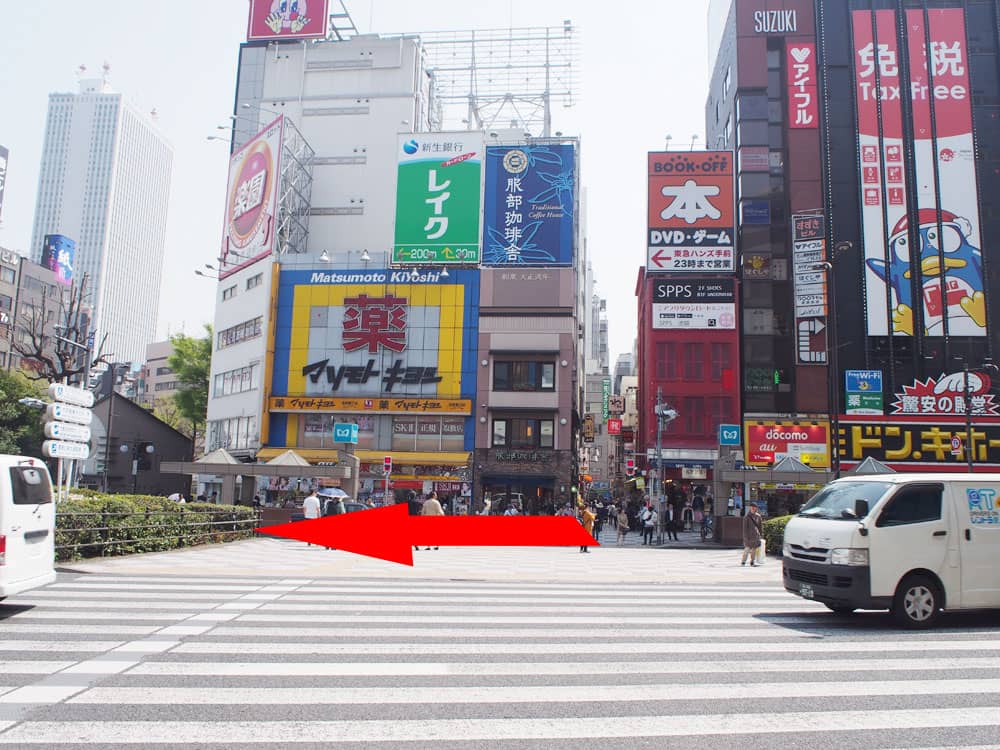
x=387 y=465
x=630 y=467
x=144 y=456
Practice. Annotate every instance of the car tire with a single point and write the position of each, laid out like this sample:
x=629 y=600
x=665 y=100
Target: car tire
x=917 y=603
x=840 y=609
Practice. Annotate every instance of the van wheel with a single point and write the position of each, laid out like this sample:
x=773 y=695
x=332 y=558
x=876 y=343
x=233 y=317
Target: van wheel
x=840 y=610
x=917 y=603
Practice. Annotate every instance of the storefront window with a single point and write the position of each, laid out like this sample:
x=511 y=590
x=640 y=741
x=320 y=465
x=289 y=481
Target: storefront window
x=523 y=433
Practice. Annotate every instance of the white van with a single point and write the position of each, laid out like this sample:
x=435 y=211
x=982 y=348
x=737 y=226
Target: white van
x=27 y=525
x=911 y=543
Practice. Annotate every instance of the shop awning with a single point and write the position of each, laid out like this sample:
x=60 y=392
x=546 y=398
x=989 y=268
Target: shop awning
x=399 y=458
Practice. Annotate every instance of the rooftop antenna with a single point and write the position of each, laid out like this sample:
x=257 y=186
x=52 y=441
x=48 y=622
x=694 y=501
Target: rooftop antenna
x=105 y=71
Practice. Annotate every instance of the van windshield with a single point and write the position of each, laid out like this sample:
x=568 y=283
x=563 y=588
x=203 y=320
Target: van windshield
x=837 y=500
x=29 y=485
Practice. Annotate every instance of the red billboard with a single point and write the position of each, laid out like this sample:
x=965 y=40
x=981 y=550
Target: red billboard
x=803 y=100
x=287 y=19
x=614 y=427
x=252 y=200
x=769 y=441
x=938 y=243
x=691 y=218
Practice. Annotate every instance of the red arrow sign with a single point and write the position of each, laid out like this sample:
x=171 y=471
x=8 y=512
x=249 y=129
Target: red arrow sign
x=391 y=533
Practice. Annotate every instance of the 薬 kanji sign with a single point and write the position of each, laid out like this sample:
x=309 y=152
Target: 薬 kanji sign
x=691 y=218
x=438 y=191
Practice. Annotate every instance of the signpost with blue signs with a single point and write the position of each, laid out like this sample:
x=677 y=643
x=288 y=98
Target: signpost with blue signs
x=863 y=392
x=345 y=432
x=729 y=434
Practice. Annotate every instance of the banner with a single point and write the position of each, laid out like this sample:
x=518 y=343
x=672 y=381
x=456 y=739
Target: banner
x=287 y=19
x=694 y=305
x=917 y=443
x=438 y=190
x=690 y=213
x=768 y=442
x=947 y=259
x=59 y=255
x=528 y=206
x=252 y=200
x=803 y=99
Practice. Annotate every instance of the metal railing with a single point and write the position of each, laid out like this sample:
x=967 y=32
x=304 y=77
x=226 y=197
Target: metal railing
x=96 y=533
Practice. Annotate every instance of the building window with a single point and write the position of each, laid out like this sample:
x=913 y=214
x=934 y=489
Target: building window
x=229 y=293
x=727 y=81
x=164 y=371
x=694 y=415
x=666 y=361
x=524 y=376
x=240 y=380
x=242 y=332
x=720 y=360
x=523 y=433
x=7 y=274
x=5 y=302
x=255 y=281
x=693 y=363
x=237 y=433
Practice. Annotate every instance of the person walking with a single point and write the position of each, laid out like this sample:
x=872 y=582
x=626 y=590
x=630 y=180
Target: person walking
x=310 y=508
x=753 y=529
x=587 y=517
x=648 y=519
x=432 y=507
x=622 y=525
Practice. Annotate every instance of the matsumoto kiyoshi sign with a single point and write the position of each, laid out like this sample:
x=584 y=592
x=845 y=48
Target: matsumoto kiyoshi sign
x=375 y=335
x=438 y=189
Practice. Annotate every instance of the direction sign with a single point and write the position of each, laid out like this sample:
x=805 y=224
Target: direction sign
x=67 y=431
x=70 y=395
x=68 y=413
x=60 y=449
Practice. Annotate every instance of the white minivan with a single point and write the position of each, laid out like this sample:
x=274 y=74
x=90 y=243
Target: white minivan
x=27 y=525
x=914 y=544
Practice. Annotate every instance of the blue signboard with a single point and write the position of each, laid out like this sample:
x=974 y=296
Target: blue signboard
x=755 y=212
x=528 y=206
x=345 y=432
x=59 y=254
x=862 y=381
x=729 y=434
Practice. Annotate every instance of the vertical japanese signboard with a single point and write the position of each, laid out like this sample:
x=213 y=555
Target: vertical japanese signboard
x=940 y=243
x=59 y=255
x=252 y=200
x=287 y=19
x=438 y=190
x=808 y=255
x=4 y=154
x=605 y=399
x=803 y=105
x=528 y=204
x=690 y=215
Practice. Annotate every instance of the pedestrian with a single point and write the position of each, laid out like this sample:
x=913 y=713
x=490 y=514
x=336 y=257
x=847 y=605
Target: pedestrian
x=648 y=518
x=698 y=506
x=602 y=518
x=674 y=517
x=587 y=517
x=432 y=507
x=622 y=525
x=334 y=507
x=752 y=533
x=310 y=508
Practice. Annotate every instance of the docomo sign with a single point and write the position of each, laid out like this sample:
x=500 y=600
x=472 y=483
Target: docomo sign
x=771 y=441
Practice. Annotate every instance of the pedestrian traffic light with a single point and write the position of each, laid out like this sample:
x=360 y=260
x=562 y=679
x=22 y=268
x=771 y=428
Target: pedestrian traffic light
x=387 y=465
x=630 y=467
x=144 y=456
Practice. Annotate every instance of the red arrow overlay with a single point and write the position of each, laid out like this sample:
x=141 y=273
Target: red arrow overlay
x=391 y=533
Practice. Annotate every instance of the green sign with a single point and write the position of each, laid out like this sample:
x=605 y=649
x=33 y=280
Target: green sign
x=863 y=403
x=759 y=380
x=438 y=189
x=605 y=398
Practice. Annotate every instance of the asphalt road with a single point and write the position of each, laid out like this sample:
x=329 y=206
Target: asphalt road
x=269 y=643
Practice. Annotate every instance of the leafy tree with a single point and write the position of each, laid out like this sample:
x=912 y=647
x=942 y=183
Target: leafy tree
x=46 y=357
x=20 y=426
x=191 y=363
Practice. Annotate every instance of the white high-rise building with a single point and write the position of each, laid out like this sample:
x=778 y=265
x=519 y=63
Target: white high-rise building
x=104 y=181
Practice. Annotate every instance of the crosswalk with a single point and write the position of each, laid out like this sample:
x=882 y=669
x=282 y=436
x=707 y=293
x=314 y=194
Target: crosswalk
x=193 y=661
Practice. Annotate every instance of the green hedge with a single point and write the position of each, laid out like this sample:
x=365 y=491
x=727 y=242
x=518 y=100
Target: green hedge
x=774 y=533
x=91 y=524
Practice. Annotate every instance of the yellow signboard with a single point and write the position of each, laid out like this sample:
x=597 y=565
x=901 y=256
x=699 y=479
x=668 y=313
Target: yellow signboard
x=312 y=404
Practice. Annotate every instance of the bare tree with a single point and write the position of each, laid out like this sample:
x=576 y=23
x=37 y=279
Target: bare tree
x=51 y=335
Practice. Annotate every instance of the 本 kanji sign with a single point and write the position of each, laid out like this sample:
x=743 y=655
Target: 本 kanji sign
x=690 y=217
x=438 y=189
x=529 y=196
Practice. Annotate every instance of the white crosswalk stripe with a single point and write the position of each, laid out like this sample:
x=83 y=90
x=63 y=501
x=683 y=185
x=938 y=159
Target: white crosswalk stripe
x=121 y=660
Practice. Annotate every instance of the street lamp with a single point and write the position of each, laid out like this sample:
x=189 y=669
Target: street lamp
x=664 y=416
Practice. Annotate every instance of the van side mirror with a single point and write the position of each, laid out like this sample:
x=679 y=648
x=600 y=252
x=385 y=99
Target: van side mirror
x=860 y=508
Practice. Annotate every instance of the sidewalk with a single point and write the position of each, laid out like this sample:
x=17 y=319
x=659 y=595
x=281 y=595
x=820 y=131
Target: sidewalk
x=685 y=540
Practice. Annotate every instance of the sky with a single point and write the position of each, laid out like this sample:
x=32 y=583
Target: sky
x=643 y=76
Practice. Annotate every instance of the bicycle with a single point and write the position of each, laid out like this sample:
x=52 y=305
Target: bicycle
x=706 y=527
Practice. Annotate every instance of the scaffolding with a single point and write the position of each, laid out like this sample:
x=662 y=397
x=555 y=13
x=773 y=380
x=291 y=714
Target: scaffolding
x=501 y=78
x=339 y=25
x=295 y=191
